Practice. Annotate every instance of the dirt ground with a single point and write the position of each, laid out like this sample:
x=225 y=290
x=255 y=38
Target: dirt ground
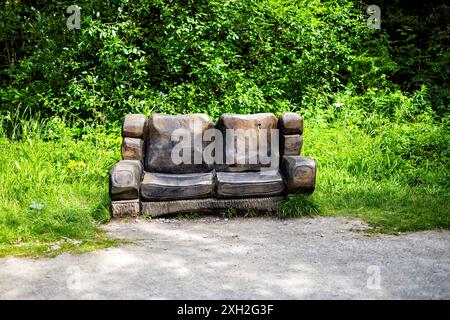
x=242 y=258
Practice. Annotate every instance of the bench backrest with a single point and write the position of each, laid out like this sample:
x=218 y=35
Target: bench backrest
x=192 y=143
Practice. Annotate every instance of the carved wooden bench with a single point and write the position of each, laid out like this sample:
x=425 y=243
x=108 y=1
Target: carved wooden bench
x=185 y=163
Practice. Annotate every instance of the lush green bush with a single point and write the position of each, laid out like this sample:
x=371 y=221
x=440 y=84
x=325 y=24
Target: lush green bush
x=418 y=34
x=188 y=56
x=214 y=56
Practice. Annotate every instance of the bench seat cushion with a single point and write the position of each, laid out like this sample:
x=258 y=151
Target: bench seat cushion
x=248 y=184
x=167 y=186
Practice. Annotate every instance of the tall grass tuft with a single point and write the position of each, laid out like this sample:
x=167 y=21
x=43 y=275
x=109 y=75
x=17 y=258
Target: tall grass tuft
x=298 y=205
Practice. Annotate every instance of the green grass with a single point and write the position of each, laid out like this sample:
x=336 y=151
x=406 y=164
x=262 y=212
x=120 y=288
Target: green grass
x=54 y=189
x=55 y=248
x=393 y=175
x=373 y=177
x=54 y=182
x=188 y=216
x=296 y=206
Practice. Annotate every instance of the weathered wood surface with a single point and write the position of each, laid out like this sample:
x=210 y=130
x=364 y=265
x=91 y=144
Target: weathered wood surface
x=124 y=181
x=132 y=148
x=166 y=180
x=290 y=123
x=159 y=144
x=159 y=208
x=134 y=125
x=291 y=145
x=300 y=173
x=253 y=123
x=163 y=186
x=124 y=208
x=248 y=184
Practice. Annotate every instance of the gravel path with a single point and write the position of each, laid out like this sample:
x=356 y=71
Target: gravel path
x=243 y=258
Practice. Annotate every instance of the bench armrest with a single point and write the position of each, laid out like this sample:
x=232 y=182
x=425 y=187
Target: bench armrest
x=291 y=134
x=299 y=173
x=125 y=180
x=134 y=135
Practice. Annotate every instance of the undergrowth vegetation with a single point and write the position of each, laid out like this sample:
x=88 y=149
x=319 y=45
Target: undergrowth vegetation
x=53 y=185
x=375 y=103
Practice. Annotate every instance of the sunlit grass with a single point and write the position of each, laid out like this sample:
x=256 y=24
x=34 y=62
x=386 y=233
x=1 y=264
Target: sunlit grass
x=54 y=188
x=359 y=175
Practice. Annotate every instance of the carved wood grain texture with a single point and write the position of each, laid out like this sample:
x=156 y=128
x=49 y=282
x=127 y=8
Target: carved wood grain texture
x=159 y=208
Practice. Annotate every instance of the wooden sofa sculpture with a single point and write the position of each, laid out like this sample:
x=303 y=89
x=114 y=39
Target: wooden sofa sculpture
x=148 y=179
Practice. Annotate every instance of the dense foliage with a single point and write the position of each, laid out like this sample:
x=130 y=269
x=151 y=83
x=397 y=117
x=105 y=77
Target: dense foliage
x=210 y=56
x=376 y=102
x=419 y=44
